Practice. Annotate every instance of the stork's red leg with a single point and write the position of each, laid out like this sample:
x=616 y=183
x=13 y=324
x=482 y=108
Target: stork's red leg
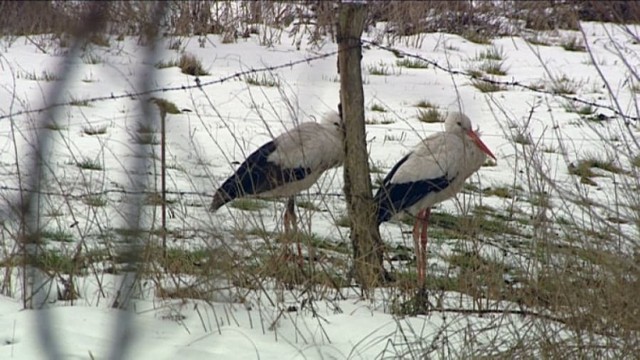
x=291 y=208
x=423 y=241
x=292 y=223
x=416 y=246
x=420 y=231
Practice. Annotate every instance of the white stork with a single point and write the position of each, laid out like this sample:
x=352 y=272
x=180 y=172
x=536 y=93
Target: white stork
x=287 y=165
x=435 y=170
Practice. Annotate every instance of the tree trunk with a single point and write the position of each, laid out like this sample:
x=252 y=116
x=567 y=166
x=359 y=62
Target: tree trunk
x=365 y=236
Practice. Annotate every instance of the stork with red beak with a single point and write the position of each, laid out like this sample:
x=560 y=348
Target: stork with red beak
x=434 y=171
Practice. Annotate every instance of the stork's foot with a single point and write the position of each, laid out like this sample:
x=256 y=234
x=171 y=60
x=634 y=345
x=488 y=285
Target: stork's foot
x=418 y=304
x=421 y=301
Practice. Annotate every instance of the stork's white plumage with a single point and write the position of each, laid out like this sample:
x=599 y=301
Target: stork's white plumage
x=287 y=165
x=435 y=170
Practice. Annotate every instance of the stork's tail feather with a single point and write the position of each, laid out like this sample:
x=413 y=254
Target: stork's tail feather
x=384 y=211
x=219 y=200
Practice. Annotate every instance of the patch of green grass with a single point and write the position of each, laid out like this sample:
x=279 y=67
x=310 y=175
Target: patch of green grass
x=489 y=163
x=182 y=261
x=475 y=73
x=564 y=85
x=146 y=138
x=584 y=166
x=166 y=106
x=412 y=63
x=176 y=166
x=79 y=102
x=599 y=119
x=326 y=244
x=471 y=187
x=191 y=65
x=522 y=139
x=537 y=40
x=56 y=262
x=499 y=191
x=444 y=220
x=127 y=232
x=430 y=116
x=572 y=43
x=484 y=221
x=303 y=237
x=635 y=161
x=425 y=104
x=378 y=108
x=493 y=53
x=412 y=303
x=175 y=44
x=167 y=64
x=248 y=204
x=260 y=232
x=487 y=85
x=57 y=235
x=451 y=47
x=486 y=210
x=384 y=121
x=55 y=126
x=491 y=225
x=95 y=201
x=467 y=260
x=262 y=80
x=380 y=69
x=476 y=37
x=43 y=76
x=584 y=110
x=493 y=67
x=89 y=164
x=537 y=85
x=54 y=213
x=92 y=130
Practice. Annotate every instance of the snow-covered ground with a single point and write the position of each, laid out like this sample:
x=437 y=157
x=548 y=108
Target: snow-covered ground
x=228 y=120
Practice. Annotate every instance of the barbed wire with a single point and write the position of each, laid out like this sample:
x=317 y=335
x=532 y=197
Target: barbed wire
x=513 y=83
x=395 y=51
x=198 y=84
x=105 y=192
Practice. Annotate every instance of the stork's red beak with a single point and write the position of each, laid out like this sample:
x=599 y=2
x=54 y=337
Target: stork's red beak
x=472 y=134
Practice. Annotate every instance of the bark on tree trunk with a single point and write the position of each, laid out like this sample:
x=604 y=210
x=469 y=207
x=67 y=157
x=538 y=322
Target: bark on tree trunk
x=365 y=236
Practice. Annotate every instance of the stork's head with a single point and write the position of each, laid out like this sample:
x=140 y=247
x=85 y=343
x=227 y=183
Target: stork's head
x=460 y=123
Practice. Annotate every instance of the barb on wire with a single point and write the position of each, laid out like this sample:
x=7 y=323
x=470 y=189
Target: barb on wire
x=512 y=83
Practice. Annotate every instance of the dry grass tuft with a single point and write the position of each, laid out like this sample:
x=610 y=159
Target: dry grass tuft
x=191 y=65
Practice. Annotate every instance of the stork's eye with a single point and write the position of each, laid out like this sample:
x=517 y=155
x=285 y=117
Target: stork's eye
x=460 y=123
